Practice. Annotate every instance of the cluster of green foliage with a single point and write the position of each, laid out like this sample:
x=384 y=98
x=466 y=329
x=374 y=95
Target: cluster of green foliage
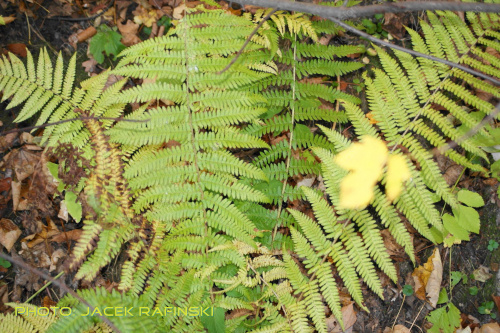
x=203 y=227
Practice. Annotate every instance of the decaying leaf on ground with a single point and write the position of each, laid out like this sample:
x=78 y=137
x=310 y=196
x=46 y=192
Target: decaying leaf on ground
x=9 y=233
x=428 y=279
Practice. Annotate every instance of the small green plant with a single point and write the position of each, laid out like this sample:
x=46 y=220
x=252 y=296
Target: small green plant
x=492 y=245
x=108 y=41
x=473 y=291
x=407 y=290
x=73 y=206
x=374 y=27
x=359 y=85
x=487 y=309
x=4 y=263
x=465 y=218
x=163 y=21
x=456 y=277
x=445 y=319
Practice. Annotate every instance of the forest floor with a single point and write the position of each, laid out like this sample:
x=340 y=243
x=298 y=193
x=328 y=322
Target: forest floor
x=44 y=240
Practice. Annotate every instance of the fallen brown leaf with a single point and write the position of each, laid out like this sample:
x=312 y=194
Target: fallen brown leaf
x=26 y=137
x=428 y=278
x=397 y=329
x=325 y=40
x=179 y=12
x=22 y=161
x=7 y=141
x=238 y=313
x=47 y=232
x=19 y=197
x=54 y=259
x=490 y=328
x=465 y=330
x=306 y=181
x=63 y=211
x=482 y=274
x=468 y=321
x=452 y=173
x=72 y=235
x=47 y=302
x=7 y=20
x=145 y=16
x=60 y=10
x=9 y=233
x=393 y=23
x=4 y=296
x=349 y=317
x=90 y=65
x=129 y=32
x=18 y=49
x=5 y=184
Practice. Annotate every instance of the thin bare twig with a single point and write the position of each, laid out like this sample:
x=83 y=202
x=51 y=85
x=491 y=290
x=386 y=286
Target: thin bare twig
x=415 y=53
x=29 y=128
x=488 y=118
x=472 y=131
x=272 y=290
x=325 y=257
x=60 y=284
x=248 y=41
x=345 y=13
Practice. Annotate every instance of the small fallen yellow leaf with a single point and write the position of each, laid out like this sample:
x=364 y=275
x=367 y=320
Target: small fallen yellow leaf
x=397 y=173
x=144 y=16
x=365 y=160
x=372 y=119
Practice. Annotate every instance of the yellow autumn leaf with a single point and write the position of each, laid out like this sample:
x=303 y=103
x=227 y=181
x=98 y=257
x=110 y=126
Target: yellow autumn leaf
x=365 y=160
x=370 y=117
x=144 y=16
x=370 y=152
x=397 y=173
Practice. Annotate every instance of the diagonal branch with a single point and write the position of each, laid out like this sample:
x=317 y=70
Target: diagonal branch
x=344 y=13
x=471 y=132
x=29 y=128
x=248 y=40
x=415 y=53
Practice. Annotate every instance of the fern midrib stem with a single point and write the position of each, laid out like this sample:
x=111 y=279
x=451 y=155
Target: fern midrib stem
x=436 y=90
x=193 y=143
x=272 y=290
x=280 y=207
x=325 y=257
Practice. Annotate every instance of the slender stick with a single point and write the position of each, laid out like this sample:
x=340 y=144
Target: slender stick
x=44 y=287
x=60 y=284
x=345 y=13
x=399 y=311
x=415 y=53
x=472 y=131
x=29 y=128
x=248 y=41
